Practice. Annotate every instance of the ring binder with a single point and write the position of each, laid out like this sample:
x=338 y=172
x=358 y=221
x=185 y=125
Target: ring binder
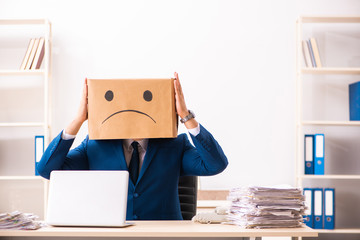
x=319 y=156
x=309 y=154
x=309 y=213
x=39 y=151
x=329 y=208
x=318 y=208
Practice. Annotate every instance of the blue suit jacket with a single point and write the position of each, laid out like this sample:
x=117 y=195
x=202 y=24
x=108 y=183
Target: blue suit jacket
x=155 y=195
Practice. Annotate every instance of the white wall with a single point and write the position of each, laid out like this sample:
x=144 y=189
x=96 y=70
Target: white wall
x=236 y=61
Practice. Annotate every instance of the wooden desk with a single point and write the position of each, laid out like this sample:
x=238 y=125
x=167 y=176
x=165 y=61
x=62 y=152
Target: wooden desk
x=162 y=229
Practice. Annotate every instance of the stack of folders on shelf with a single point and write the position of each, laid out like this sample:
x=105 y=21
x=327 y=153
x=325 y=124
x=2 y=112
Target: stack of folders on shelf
x=39 y=151
x=320 y=213
x=311 y=53
x=266 y=207
x=314 y=154
x=354 y=101
x=34 y=54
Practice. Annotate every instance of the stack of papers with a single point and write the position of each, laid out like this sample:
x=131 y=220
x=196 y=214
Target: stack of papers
x=19 y=221
x=266 y=207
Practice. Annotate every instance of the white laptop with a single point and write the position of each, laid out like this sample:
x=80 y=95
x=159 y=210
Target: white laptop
x=87 y=198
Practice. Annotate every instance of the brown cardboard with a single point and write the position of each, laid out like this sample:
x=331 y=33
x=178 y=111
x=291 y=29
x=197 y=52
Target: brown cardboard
x=137 y=108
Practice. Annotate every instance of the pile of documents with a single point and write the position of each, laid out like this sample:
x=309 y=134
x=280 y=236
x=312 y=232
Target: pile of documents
x=266 y=207
x=19 y=221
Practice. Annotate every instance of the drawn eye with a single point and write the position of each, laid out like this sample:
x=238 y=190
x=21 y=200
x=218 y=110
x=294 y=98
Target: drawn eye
x=147 y=96
x=109 y=95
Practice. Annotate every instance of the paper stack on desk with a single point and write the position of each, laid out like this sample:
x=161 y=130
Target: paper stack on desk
x=19 y=221
x=266 y=207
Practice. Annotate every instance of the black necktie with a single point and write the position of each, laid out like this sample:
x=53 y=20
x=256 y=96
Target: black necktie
x=134 y=163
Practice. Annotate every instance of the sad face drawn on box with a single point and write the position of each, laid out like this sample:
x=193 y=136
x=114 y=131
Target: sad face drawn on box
x=131 y=108
x=109 y=96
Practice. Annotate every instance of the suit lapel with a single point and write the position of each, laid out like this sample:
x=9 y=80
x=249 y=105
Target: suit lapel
x=118 y=146
x=150 y=153
x=120 y=153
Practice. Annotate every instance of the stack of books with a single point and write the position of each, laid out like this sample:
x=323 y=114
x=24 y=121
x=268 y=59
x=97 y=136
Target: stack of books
x=267 y=207
x=34 y=54
x=311 y=53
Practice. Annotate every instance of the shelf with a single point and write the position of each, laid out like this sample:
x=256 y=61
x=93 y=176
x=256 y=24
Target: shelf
x=21 y=178
x=330 y=19
x=340 y=230
x=326 y=70
x=331 y=176
x=21 y=72
x=22 y=124
x=23 y=21
x=331 y=123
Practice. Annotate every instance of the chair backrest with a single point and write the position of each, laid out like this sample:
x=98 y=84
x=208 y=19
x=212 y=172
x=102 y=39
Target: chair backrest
x=188 y=196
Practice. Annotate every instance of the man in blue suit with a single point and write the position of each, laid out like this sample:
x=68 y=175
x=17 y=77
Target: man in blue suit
x=153 y=193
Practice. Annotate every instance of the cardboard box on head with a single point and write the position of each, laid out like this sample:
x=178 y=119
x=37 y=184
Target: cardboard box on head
x=131 y=108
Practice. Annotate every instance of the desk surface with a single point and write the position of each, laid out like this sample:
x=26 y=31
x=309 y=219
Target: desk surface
x=163 y=229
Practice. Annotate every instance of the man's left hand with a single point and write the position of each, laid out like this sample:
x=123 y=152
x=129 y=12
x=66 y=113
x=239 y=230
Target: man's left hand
x=181 y=108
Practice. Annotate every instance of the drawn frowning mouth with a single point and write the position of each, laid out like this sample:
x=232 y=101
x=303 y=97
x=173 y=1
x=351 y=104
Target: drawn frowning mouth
x=136 y=111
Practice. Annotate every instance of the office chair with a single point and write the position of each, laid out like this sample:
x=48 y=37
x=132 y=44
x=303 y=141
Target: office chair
x=188 y=196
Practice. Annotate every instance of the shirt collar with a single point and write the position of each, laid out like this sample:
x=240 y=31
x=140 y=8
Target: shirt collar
x=143 y=143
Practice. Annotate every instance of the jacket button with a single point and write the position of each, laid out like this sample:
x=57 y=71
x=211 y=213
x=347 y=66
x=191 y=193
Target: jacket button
x=136 y=195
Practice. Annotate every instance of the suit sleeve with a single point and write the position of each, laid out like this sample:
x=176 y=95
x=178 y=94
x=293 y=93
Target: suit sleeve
x=206 y=158
x=58 y=156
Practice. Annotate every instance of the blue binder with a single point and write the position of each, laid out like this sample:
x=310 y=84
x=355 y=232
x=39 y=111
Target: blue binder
x=309 y=154
x=39 y=150
x=318 y=208
x=309 y=213
x=354 y=101
x=319 y=154
x=329 y=208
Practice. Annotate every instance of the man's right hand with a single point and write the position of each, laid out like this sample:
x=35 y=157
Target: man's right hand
x=82 y=114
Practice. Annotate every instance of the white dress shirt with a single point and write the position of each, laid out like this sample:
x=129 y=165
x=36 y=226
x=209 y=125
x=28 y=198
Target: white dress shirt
x=128 y=150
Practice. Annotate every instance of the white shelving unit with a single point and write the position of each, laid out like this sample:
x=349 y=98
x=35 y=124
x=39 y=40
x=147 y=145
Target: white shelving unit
x=301 y=123
x=20 y=78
